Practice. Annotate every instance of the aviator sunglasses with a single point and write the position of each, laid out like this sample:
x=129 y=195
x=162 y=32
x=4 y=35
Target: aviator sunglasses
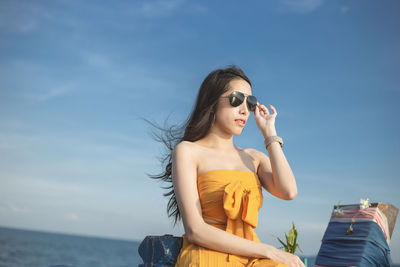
x=236 y=98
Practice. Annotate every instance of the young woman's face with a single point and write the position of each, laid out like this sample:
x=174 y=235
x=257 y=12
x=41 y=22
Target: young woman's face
x=229 y=119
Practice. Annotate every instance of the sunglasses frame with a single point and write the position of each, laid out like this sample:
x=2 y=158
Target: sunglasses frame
x=236 y=98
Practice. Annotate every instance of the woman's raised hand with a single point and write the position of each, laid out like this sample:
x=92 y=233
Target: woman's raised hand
x=264 y=120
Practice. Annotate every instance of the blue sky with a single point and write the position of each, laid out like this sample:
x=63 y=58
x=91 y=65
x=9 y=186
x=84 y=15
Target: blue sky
x=77 y=77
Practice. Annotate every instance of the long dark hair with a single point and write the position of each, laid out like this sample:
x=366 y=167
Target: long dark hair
x=195 y=127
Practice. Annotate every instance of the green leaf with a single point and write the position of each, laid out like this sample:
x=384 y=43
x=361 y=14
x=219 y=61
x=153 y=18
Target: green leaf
x=283 y=244
x=294 y=248
x=291 y=236
x=295 y=238
x=291 y=240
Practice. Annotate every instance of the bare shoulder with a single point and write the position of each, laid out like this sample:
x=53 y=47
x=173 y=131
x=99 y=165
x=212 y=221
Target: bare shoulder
x=256 y=154
x=185 y=146
x=184 y=162
x=185 y=151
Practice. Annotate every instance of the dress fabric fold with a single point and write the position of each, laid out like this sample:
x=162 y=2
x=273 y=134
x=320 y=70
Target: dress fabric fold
x=232 y=200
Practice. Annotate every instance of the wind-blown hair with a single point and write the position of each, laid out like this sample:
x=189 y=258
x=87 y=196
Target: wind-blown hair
x=196 y=126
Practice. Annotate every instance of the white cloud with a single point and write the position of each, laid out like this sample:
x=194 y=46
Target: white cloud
x=72 y=217
x=33 y=81
x=133 y=77
x=66 y=155
x=17 y=208
x=27 y=26
x=53 y=92
x=154 y=9
x=300 y=6
x=344 y=9
x=66 y=182
x=22 y=17
x=38 y=186
x=97 y=60
x=159 y=8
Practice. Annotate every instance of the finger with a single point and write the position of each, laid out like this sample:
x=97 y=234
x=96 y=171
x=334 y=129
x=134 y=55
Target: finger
x=265 y=109
x=261 y=109
x=257 y=111
x=273 y=109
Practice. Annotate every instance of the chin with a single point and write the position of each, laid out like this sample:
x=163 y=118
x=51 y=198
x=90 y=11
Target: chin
x=238 y=132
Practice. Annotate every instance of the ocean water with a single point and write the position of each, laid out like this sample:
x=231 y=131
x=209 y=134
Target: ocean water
x=23 y=248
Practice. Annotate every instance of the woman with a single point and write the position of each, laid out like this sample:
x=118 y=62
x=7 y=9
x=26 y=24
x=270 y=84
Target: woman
x=216 y=186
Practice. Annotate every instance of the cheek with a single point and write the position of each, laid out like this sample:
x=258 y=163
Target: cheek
x=226 y=113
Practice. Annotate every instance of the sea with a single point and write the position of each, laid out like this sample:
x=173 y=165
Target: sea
x=27 y=248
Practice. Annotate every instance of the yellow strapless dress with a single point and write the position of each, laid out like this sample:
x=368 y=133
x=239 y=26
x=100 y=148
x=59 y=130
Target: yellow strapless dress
x=232 y=198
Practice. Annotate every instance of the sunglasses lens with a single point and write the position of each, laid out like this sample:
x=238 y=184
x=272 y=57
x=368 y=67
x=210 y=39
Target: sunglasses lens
x=252 y=102
x=236 y=98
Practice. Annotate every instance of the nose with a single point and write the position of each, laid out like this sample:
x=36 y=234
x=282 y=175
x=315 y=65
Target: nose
x=243 y=108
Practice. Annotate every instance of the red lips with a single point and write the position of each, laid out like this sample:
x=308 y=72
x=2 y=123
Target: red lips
x=241 y=122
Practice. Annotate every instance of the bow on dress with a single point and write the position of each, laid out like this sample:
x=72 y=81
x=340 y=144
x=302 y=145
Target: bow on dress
x=241 y=208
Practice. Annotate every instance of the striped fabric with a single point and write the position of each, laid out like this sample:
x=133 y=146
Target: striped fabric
x=355 y=237
x=362 y=215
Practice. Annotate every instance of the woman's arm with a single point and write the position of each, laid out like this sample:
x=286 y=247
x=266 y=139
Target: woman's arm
x=274 y=173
